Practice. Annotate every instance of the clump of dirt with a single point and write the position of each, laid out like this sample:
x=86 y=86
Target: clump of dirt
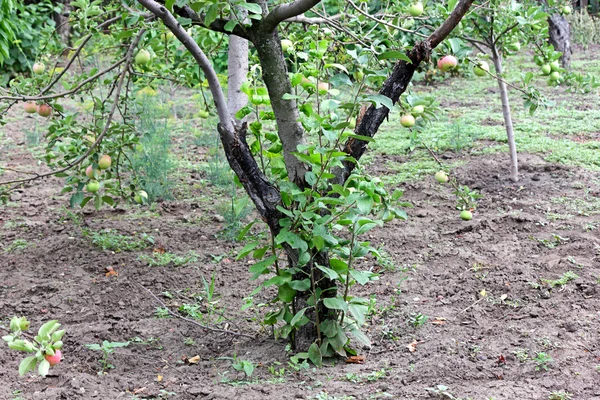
x=474 y=306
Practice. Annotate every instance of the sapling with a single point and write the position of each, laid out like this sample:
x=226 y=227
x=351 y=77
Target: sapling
x=45 y=347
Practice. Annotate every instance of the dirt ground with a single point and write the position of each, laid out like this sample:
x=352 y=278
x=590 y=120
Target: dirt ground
x=481 y=347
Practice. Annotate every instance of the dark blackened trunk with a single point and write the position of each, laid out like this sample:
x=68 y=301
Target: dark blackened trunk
x=560 y=38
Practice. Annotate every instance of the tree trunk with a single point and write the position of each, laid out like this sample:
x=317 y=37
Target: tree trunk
x=514 y=173
x=560 y=38
x=237 y=71
x=63 y=27
x=275 y=75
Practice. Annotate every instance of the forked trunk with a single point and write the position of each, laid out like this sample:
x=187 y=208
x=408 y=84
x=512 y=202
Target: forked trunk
x=514 y=169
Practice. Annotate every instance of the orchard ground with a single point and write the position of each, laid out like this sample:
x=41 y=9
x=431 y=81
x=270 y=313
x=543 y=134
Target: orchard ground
x=504 y=306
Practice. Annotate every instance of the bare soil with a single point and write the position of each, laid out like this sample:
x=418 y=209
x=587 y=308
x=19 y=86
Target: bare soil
x=478 y=346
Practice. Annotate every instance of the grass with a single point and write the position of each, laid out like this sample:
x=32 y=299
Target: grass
x=109 y=239
x=566 y=133
x=163 y=259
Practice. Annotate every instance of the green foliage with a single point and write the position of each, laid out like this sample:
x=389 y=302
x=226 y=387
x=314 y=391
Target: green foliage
x=25 y=31
x=107 y=348
x=46 y=343
x=163 y=259
x=542 y=361
x=17 y=245
x=151 y=160
x=585 y=29
x=109 y=239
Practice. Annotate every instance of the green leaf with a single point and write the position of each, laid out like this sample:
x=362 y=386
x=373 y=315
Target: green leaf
x=248 y=368
x=300 y=286
x=261 y=267
x=27 y=364
x=335 y=303
x=331 y=274
x=359 y=335
x=358 y=311
x=253 y=8
x=314 y=355
x=365 y=204
x=247 y=250
x=379 y=100
x=395 y=55
x=362 y=277
x=44 y=367
x=359 y=137
x=339 y=266
x=230 y=26
x=48 y=328
x=292 y=239
x=295 y=321
x=76 y=199
x=286 y=293
x=211 y=14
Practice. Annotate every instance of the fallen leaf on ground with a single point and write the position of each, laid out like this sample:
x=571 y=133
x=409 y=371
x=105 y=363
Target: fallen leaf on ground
x=412 y=347
x=355 y=360
x=194 y=360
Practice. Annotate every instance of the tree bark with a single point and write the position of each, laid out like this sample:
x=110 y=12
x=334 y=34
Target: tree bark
x=237 y=71
x=560 y=37
x=497 y=58
x=275 y=75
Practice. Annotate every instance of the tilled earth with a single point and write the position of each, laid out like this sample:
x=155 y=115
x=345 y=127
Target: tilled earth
x=485 y=286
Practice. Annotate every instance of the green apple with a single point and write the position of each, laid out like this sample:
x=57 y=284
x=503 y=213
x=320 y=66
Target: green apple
x=555 y=76
x=38 y=68
x=555 y=65
x=203 y=114
x=514 y=46
x=417 y=110
x=466 y=215
x=416 y=9
x=93 y=186
x=286 y=45
x=441 y=177
x=481 y=69
x=142 y=57
x=104 y=162
x=141 y=197
x=352 y=123
x=546 y=69
x=407 y=121
x=30 y=107
x=567 y=10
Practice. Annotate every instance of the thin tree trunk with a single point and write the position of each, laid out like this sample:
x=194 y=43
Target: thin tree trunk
x=514 y=169
x=237 y=71
x=275 y=75
x=560 y=37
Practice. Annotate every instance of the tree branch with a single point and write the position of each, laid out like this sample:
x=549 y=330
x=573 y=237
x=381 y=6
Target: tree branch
x=128 y=60
x=285 y=11
x=394 y=86
x=211 y=76
x=218 y=25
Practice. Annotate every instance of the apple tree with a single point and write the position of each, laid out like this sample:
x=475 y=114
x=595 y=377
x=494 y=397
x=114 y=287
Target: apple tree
x=295 y=144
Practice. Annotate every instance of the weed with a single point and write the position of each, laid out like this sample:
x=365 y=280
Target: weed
x=542 y=361
x=151 y=161
x=562 y=281
x=106 y=348
x=561 y=395
x=163 y=259
x=189 y=342
x=234 y=212
x=327 y=396
x=17 y=245
x=417 y=320
x=555 y=241
x=109 y=239
x=162 y=312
